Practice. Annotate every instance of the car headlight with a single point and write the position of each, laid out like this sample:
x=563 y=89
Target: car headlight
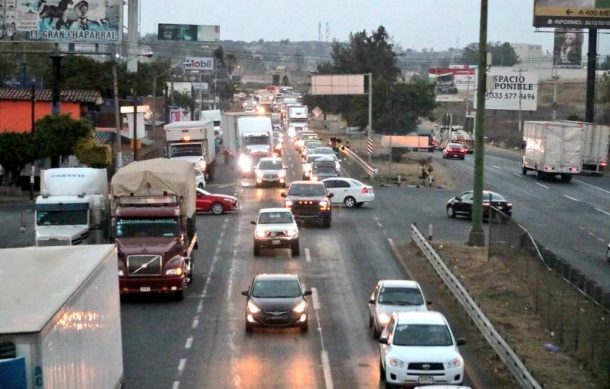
x=300 y=307
x=292 y=232
x=384 y=318
x=260 y=233
x=455 y=362
x=323 y=204
x=245 y=163
x=314 y=178
x=121 y=273
x=259 y=174
x=281 y=174
x=288 y=203
x=395 y=362
x=252 y=308
x=174 y=266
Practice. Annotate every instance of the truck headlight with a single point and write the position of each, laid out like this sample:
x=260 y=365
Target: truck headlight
x=292 y=232
x=174 y=266
x=260 y=233
x=288 y=203
x=245 y=163
x=281 y=174
x=323 y=205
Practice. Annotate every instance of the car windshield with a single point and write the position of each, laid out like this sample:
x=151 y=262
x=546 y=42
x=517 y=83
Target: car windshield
x=400 y=296
x=186 y=150
x=454 y=146
x=307 y=190
x=323 y=150
x=276 y=289
x=256 y=140
x=274 y=217
x=422 y=335
x=269 y=165
x=494 y=196
x=132 y=228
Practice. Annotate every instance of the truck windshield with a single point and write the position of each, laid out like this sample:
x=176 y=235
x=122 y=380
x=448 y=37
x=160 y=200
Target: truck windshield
x=61 y=218
x=256 y=140
x=324 y=168
x=307 y=190
x=133 y=228
x=298 y=120
x=185 y=150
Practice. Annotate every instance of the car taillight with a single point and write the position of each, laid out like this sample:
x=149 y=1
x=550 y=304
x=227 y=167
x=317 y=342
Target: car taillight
x=364 y=190
x=509 y=205
x=603 y=164
x=463 y=150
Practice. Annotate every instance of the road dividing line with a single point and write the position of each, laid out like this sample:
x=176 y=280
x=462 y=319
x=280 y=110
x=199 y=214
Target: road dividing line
x=571 y=198
x=497 y=167
x=592 y=234
x=600 y=239
x=400 y=258
x=189 y=342
x=195 y=322
x=544 y=186
x=307 y=255
x=176 y=385
x=602 y=211
x=379 y=225
x=518 y=175
x=181 y=366
x=315 y=299
x=581 y=227
x=328 y=377
x=593 y=186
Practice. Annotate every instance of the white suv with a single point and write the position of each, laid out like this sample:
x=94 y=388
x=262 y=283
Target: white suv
x=418 y=348
x=276 y=228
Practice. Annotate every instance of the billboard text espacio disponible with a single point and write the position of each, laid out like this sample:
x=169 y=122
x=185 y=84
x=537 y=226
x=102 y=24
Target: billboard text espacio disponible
x=572 y=13
x=511 y=90
x=62 y=21
x=188 y=32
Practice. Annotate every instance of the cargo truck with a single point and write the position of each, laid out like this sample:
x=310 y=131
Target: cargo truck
x=215 y=116
x=193 y=141
x=297 y=118
x=73 y=207
x=153 y=221
x=594 y=146
x=552 y=149
x=247 y=137
x=60 y=325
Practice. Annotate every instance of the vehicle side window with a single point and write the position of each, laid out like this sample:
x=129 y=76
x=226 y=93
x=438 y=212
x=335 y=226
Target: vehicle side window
x=466 y=197
x=342 y=184
x=330 y=183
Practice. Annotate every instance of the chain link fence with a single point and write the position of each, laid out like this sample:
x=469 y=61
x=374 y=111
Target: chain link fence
x=575 y=310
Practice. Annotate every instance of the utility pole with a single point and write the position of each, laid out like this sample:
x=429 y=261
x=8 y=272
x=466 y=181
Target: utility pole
x=520 y=117
x=554 y=77
x=370 y=126
x=477 y=235
x=591 y=65
x=56 y=57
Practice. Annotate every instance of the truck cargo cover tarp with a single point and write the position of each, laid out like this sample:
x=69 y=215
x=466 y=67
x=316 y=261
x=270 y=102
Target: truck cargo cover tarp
x=155 y=176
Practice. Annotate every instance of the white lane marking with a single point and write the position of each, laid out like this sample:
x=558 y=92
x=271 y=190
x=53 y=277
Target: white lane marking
x=379 y=225
x=181 y=366
x=593 y=186
x=225 y=185
x=590 y=233
x=328 y=377
x=600 y=239
x=222 y=235
x=571 y=198
x=497 y=167
x=176 y=385
x=195 y=322
x=518 y=175
x=602 y=211
x=581 y=227
x=189 y=342
x=376 y=218
x=544 y=186
x=307 y=255
x=315 y=299
x=200 y=306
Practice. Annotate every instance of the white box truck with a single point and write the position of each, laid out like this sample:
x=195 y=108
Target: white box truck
x=73 y=207
x=193 y=141
x=215 y=116
x=247 y=137
x=552 y=149
x=298 y=119
x=594 y=146
x=60 y=321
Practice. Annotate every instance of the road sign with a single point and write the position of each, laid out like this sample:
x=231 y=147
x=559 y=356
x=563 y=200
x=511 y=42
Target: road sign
x=572 y=13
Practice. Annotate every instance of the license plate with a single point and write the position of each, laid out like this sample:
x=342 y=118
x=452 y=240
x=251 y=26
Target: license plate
x=144 y=288
x=275 y=241
x=425 y=380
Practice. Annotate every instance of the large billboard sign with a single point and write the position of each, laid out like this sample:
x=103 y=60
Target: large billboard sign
x=61 y=21
x=567 y=50
x=187 y=32
x=463 y=76
x=510 y=89
x=572 y=13
x=337 y=84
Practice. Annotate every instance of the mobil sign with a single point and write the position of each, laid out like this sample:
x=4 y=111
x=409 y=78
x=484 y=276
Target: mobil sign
x=199 y=63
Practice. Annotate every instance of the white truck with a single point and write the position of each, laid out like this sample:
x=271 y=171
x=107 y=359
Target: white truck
x=193 y=141
x=594 y=147
x=552 y=149
x=60 y=325
x=446 y=134
x=247 y=137
x=298 y=118
x=215 y=116
x=73 y=207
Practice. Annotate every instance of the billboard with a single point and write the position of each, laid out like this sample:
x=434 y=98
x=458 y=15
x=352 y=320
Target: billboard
x=510 y=89
x=61 y=21
x=187 y=32
x=199 y=63
x=567 y=50
x=337 y=84
x=463 y=76
x=572 y=13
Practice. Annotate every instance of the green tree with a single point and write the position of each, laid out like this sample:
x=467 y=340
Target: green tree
x=606 y=64
x=93 y=154
x=57 y=135
x=16 y=150
x=502 y=54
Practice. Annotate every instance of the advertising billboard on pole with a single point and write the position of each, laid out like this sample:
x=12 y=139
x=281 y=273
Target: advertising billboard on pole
x=187 y=32
x=61 y=21
x=511 y=89
x=572 y=13
x=567 y=50
x=337 y=84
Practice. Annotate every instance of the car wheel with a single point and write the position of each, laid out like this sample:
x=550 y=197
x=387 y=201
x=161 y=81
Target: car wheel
x=450 y=211
x=294 y=249
x=376 y=332
x=523 y=170
x=249 y=327
x=256 y=250
x=305 y=327
x=217 y=209
x=326 y=220
x=463 y=158
x=349 y=202
x=381 y=372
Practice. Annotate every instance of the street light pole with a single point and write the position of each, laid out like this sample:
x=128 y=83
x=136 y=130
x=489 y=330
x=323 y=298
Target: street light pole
x=117 y=116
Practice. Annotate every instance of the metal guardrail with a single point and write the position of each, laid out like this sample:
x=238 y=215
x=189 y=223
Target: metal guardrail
x=495 y=340
x=369 y=170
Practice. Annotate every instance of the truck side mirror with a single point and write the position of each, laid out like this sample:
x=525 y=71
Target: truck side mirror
x=283 y=194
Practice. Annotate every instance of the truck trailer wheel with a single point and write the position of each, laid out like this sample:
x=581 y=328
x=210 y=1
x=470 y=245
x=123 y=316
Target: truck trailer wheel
x=566 y=177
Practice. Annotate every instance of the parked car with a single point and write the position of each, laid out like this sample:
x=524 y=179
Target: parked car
x=309 y=201
x=270 y=170
x=199 y=178
x=349 y=191
x=418 y=348
x=454 y=150
x=215 y=203
x=462 y=205
x=392 y=296
x=276 y=228
x=276 y=300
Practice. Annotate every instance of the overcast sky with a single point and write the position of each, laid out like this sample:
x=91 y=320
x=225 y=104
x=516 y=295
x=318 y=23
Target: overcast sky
x=414 y=24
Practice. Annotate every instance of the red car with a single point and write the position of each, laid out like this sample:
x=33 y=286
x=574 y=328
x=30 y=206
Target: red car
x=454 y=150
x=215 y=203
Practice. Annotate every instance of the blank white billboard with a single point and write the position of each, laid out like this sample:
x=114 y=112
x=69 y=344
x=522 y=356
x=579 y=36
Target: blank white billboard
x=337 y=84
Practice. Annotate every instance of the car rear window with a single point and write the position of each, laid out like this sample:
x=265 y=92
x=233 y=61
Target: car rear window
x=422 y=335
x=400 y=296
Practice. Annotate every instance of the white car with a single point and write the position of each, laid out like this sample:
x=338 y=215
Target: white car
x=349 y=191
x=199 y=178
x=418 y=348
x=392 y=296
x=270 y=170
x=276 y=228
